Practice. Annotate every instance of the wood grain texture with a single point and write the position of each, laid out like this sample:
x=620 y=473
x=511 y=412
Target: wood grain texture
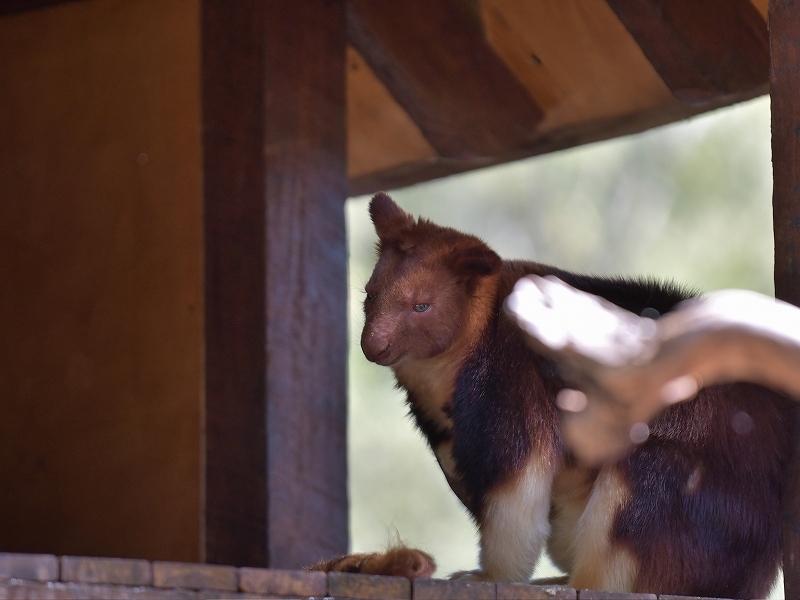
x=784 y=23
x=100 y=262
x=275 y=185
x=380 y=134
x=550 y=141
x=700 y=48
x=762 y=6
x=306 y=281
x=575 y=58
x=9 y=7
x=435 y=61
x=235 y=286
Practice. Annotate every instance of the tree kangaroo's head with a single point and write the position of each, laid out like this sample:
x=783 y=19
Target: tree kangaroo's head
x=419 y=295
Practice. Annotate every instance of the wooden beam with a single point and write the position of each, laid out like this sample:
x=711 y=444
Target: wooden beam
x=9 y=7
x=273 y=88
x=784 y=32
x=550 y=141
x=436 y=62
x=380 y=134
x=701 y=48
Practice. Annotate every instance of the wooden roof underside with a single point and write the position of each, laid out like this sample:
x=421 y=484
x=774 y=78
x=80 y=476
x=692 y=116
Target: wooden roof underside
x=436 y=88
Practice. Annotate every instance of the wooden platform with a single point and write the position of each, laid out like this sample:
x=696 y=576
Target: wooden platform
x=45 y=576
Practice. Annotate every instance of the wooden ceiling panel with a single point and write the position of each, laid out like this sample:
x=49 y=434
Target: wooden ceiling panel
x=700 y=49
x=575 y=58
x=761 y=6
x=381 y=135
x=434 y=59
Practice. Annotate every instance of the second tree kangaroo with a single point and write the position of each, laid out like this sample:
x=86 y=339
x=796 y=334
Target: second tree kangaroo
x=694 y=510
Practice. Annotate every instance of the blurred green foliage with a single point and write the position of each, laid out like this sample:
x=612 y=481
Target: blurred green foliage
x=689 y=202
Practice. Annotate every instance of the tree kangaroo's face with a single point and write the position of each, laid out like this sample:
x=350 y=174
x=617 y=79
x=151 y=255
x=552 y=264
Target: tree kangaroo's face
x=419 y=293
x=413 y=308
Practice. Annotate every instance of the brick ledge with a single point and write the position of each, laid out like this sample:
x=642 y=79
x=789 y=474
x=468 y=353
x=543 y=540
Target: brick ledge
x=45 y=576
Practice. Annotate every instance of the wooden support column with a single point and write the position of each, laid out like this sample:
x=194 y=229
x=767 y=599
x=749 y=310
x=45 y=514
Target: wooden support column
x=273 y=90
x=784 y=31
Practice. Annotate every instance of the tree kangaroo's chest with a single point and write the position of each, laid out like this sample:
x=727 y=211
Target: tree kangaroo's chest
x=431 y=384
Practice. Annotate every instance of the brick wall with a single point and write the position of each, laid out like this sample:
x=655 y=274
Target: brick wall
x=45 y=577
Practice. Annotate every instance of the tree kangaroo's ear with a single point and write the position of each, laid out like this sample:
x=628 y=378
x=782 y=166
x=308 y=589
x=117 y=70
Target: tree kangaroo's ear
x=390 y=220
x=473 y=259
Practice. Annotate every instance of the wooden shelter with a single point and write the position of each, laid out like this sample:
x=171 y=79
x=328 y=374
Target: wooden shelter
x=172 y=357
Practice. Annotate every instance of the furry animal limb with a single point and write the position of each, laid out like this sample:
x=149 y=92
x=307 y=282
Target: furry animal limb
x=626 y=368
x=397 y=560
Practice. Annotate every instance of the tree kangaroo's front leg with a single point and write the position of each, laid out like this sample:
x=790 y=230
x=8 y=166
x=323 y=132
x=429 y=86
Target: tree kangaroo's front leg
x=514 y=526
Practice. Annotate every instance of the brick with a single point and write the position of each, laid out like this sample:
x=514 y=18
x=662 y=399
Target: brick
x=249 y=596
x=212 y=595
x=668 y=597
x=600 y=595
x=368 y=587
x=30 y=590
x=447 y=589
x=36 y=567
x=522 y=591
x=195 y=576
x=122 y=571
x=283 y=582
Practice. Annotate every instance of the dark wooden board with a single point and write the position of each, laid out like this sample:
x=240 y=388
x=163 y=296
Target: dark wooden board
x=784 y=23
x=276 y=344
x=9 y=7
x=700 y=47
x=306 y=189
x=434 y=59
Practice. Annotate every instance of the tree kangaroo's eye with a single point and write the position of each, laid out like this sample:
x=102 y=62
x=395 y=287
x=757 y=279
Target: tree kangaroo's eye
x=421 y=307
x=369 y=298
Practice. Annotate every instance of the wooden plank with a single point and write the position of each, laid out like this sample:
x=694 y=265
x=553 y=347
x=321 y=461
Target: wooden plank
x=784 y=20
x=575 y=58
x=380 y=134
x=273 y=86
x=700 y=49
x=762 y=6
x=548 y=141
x=9 y=7
x=235 y=289
x=100 y=233
x=435 y=61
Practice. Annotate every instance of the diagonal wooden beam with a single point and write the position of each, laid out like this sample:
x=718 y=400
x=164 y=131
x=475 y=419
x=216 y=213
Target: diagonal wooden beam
x=784 y=32
x=9 y=7
x=550 y=141
x=700 y=48
x=435 y=61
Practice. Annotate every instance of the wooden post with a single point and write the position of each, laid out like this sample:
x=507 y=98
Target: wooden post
x=784 y=33
x=273 y=90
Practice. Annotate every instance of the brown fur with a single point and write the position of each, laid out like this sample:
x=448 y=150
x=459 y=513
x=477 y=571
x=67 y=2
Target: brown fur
x=694 y=510
x=399 y=561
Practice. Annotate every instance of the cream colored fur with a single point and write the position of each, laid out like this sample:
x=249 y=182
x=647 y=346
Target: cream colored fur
x=571 y=490
x=515 y=526
x=599 y=564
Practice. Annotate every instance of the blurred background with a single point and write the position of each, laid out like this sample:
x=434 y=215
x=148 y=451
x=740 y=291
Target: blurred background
x=690 y=202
